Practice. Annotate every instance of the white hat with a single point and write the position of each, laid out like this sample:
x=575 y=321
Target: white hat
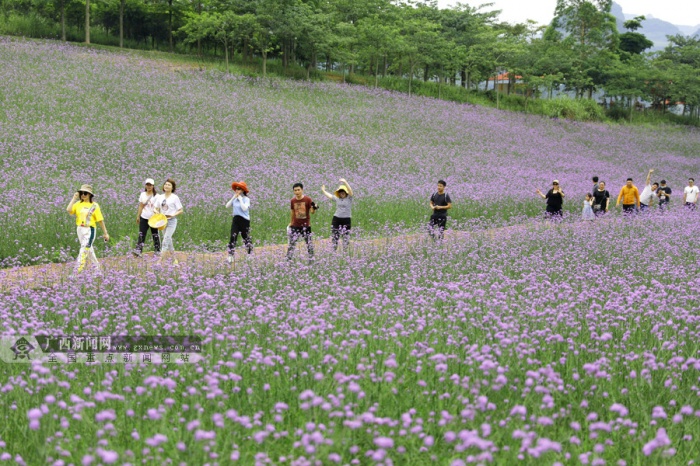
x=149 y=181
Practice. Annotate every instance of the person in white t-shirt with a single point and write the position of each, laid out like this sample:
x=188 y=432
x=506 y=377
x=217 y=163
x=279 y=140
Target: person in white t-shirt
x=169 y=205
x=648 y=196
x=690 y=194
x=146 y=210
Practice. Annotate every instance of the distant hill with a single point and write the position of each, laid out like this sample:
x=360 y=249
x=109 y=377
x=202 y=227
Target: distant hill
x=655 y=29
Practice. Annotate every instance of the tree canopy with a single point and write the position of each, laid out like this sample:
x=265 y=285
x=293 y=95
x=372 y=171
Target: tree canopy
x=580 y=51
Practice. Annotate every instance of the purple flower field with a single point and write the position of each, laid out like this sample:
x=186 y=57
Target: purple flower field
x=539 y=343
x=72 y=115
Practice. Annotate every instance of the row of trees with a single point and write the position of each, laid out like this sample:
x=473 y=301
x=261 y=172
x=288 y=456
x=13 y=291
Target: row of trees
x=581 y=49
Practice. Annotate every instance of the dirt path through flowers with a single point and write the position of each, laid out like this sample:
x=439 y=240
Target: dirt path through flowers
x=47 y=275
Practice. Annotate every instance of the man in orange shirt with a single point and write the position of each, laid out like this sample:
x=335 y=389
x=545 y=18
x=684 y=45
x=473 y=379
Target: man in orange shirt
x=629 y=195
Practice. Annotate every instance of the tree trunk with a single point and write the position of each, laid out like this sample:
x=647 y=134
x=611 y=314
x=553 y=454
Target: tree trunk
x=498 y=94
x=308 y=71
x=384 y=67
x=170 y=25
x=87 y=21
x=226 y=53
x=425 y=74
x=199 y=41
x=121 y=23
x=463 y=77
x=264 y=55
x=63 y=20
x=285 y=55
x=410 y=81
x=376 y=73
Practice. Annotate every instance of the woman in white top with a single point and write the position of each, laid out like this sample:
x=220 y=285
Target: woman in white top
x=146 y=210
x=342 y=220
x=169 y=205
x=240 y=204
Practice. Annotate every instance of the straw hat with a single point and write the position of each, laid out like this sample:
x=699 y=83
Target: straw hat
x=240 y=184
x=343 y=188
x=86 y=188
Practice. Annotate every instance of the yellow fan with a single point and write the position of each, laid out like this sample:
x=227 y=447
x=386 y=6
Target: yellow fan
x=159 y=221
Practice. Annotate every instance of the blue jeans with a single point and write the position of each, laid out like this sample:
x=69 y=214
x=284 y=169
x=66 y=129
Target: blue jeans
x=168 y=235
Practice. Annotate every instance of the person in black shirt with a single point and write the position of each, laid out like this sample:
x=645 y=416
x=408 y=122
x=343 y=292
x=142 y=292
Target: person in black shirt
x=555 y=200
x=664 y=193
x=440 y=202
x=601 y=199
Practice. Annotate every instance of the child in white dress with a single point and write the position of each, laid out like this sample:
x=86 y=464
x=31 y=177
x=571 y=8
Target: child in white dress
x=588 y=208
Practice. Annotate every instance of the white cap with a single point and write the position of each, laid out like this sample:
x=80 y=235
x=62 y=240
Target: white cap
x=149 y=181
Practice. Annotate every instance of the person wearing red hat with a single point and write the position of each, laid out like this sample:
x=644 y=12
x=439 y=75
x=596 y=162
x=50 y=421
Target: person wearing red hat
x=241 y=218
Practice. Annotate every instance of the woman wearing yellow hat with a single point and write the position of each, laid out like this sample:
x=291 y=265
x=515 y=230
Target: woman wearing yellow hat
x=341 y=223
x=87 y=216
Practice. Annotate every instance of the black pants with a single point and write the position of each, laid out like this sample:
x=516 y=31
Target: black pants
x=643 y=207
x=691 y=205
x=437 y=226
x=143 y=231
x=295 y=234
x=629 y=209
x=240 y=225
x=340 y=227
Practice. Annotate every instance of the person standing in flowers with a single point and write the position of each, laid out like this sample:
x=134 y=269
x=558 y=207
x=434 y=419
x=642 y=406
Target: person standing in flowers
x=440 y=203
x=145 y=212
x=587 y=213
x=169 y=205
x=646 y=199
x=300 y=225
x=341 y=223
x=241 y=218
x=664 y=194
x=629 y=195
x=555 y=200
x=601 y=199
x=87 y=216
x=690 y=195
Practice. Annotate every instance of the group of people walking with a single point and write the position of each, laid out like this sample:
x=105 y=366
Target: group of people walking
x=166 y=207
x=597 y=202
